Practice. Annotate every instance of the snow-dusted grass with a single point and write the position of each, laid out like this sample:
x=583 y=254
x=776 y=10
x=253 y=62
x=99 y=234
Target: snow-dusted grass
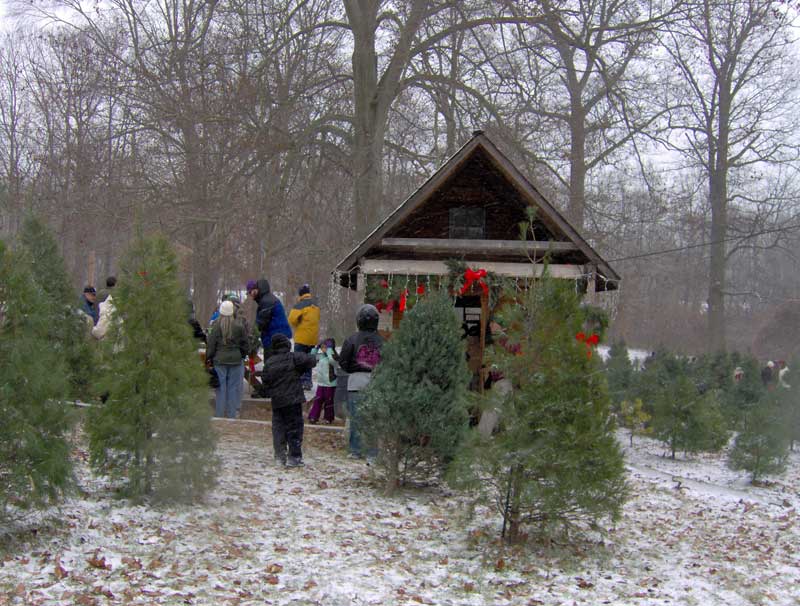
x=693 y=532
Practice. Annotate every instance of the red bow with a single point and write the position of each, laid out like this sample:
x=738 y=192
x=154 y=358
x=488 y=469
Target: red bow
x=590 y=341
x=471 y=276
x=421 y=289
x=403 y=299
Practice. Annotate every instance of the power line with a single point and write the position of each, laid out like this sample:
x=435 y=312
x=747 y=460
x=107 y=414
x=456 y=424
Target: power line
x=704 y=244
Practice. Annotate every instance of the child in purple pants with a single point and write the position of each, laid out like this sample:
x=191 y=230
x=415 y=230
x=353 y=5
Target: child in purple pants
x=326 y=382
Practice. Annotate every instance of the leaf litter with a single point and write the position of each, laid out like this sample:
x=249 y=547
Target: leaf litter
x=693 y=532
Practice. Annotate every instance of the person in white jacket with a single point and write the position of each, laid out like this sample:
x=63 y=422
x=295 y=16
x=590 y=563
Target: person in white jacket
x=100 y=329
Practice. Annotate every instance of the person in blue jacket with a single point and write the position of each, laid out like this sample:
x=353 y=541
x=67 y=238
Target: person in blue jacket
x=270 y=316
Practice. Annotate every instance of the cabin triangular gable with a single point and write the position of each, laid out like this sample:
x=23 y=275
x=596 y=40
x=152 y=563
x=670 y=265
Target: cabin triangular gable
x=471 y=208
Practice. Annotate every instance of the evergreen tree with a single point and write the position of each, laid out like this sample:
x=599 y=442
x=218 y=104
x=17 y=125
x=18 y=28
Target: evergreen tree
x=154 y=431
x=792 y=402
x=34 y=451
x=742 y=396
x=415 y=407
x=555 y=458
x=619 y=373
x=762 y=446
x=635 y=418
x=684 y=417
x=68 y=330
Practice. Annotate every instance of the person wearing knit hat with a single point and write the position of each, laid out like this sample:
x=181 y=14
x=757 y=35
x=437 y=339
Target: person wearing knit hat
x=304 y=320
x=227 y=346
x=89 y=304
x=282 y=374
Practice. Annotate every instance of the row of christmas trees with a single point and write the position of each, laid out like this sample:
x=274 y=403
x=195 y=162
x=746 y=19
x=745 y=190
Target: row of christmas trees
x=697 y=404
x=152 y=434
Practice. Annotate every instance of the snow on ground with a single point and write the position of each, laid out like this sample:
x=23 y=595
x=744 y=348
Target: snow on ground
x=691 y=533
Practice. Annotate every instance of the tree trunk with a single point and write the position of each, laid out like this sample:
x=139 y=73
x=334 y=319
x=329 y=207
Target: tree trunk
x=577 y=166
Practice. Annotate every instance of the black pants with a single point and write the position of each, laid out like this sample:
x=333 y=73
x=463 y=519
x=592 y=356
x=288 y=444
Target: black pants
x=287 y=431
x=306 y=378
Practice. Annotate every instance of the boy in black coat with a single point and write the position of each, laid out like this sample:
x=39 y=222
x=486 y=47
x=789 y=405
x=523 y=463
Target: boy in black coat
x=282 y=371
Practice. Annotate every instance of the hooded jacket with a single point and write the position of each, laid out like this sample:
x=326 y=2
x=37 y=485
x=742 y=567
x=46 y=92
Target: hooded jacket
x=304 y=319
x=282 y=371
x=270 y=316
x=361 y=351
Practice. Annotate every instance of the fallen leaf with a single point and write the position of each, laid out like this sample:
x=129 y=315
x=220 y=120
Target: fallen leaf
x=272 y=579
x=99 y=562
x=584 y=584
x=274 y=568
x=500 y=565
x=59 y=570
x=468 y=586
x=310 y=584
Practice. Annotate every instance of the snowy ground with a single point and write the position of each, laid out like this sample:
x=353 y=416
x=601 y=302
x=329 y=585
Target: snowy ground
x=692 y=533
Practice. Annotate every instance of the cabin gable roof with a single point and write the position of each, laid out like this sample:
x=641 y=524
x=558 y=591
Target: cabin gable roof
x=479 y=175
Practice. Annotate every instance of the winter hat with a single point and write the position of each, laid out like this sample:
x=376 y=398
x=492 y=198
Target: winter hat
x=90 y=289
x=305 y=289
x=251 y=284
x=226 y=308
x=770 y=364
x=279 y=340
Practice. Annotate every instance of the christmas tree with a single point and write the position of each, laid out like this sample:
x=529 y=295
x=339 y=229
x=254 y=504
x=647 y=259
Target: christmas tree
x=69 y=331
x=554 y=459
x=685 y=416
x=415 y=408
x=34 y=452
x=154 y=431
x=762 y=446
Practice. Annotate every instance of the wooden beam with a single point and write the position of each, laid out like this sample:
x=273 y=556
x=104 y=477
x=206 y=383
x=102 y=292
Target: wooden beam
x=439 y=268
x=462 y=246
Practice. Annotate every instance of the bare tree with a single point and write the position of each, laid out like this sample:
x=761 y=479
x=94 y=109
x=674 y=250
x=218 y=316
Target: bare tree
x=736 y=116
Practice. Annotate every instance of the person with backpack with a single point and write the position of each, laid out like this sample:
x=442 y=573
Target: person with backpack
x=282 y=371
x=326 y=382
x=361 y=353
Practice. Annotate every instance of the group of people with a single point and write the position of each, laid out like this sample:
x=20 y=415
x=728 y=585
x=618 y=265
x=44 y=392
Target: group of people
x=286 y=374
x=287 y=371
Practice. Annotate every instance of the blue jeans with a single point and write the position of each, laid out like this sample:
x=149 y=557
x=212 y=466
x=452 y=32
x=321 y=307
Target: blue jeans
x=353 y=398
x=229 y=392
x=305 y=379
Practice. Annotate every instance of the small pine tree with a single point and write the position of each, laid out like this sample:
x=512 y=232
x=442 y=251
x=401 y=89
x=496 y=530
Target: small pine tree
x=35 y=466
x=635 y=418
x=762 y=446
x=555 y=458
x=742 y=396
x=415 y=408
x=619 y=373
x=154 y=430
x=69 y=331
x=684 y=416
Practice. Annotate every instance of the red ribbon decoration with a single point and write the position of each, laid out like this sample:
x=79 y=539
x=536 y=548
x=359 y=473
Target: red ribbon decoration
x=380 y=306
x=471 y=276
x=421 y=289
x=403 y=299
x=590 y=341
x=384 y=284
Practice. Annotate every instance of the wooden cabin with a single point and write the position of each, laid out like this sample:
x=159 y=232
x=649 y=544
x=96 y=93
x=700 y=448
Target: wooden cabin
x=470 y=209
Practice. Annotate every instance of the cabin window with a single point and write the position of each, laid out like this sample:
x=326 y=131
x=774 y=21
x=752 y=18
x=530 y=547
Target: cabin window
x=467 y=223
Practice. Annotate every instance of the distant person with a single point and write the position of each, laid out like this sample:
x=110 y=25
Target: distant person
x=304 y=320
x=227 y=347
x=89 y=304
x=111 y=282
x=782 y=373
x=282 y=371
x=767 y=374
x=270 y=316
x=106 y=310
x=361 y=353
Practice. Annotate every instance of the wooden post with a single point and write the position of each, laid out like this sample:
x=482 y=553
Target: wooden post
x=484 y=322
x=90 y=270
x=591 y=285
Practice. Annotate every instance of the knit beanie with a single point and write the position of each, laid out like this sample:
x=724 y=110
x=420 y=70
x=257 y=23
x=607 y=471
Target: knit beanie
x=226 y=308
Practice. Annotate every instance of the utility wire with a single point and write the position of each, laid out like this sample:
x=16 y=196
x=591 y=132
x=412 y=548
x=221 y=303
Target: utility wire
x=704 y=244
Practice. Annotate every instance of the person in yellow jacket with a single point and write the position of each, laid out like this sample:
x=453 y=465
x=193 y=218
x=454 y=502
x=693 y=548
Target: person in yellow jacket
x=304 y=320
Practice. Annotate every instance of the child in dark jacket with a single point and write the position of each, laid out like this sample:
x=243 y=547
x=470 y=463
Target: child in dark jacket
x=282 y=371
